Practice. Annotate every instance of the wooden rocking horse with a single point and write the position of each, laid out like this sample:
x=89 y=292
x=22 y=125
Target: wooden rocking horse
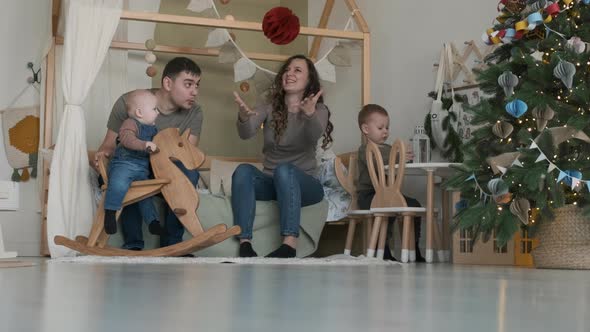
x=178 y=192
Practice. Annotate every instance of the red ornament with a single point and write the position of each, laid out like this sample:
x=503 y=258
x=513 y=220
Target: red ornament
x=280 y=25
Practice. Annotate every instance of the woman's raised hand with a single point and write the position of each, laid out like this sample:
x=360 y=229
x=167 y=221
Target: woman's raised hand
x=245 y=112
x=308 y=104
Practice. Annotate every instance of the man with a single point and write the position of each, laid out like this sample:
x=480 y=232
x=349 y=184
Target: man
x=178 y=109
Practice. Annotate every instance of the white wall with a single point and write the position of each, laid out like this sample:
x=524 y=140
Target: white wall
x=406 y=40
x=23 y=27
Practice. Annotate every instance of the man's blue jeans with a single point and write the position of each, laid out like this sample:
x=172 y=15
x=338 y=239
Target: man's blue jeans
x=289 y=186
x=131 y=217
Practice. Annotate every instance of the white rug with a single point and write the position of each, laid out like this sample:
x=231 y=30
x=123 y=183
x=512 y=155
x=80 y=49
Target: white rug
x=332 y=260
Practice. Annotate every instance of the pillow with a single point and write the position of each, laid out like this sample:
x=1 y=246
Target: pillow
x=221 y=173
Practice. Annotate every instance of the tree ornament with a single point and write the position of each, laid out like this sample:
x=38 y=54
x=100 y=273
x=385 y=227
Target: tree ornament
x=508 y=81
x=515 y=6
x=565 y=72
x=503 y=199
x=516 y=108
x=520 y=208
x=280 y=25
x=543 y=114
x=576 y=44
x=502 y=129
x=497 y=187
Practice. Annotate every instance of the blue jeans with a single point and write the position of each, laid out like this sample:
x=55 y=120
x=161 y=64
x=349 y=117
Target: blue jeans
x=121 y=174
x=289 y=186
x=132 y=230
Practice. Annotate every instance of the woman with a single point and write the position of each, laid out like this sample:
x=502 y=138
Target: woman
x=294 y=121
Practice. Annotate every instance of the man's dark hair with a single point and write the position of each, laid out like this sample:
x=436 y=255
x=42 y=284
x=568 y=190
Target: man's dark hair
x=179 y=65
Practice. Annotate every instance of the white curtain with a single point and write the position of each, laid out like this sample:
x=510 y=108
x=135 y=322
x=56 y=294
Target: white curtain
x=89 y=29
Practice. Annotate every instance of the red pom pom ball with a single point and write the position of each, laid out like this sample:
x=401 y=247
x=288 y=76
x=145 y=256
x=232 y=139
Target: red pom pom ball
x=280 y=25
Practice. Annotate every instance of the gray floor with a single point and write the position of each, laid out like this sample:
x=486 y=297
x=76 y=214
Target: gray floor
x=117 y=297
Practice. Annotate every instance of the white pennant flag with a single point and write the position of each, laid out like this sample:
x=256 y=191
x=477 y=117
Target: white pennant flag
x=199 y=5
x=326 y=70
x=534 y=145
x=541 y=157
x=575 y=182
x=244 y=69
x=516 y=162
x=217 y=38
x=502 y=169
x=551 y=167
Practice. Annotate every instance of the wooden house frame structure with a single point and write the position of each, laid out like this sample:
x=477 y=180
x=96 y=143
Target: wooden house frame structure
x=318 y=33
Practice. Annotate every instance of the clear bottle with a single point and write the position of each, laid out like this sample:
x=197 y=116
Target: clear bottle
x=421 y=145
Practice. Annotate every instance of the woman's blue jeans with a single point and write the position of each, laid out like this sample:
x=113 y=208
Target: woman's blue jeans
x=289 y=186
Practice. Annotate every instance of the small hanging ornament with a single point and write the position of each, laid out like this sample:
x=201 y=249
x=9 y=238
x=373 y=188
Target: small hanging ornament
x=150 y=44
x=576 y=44
x=520 y=208
x=508 y=81
x=516 y=108
x=543 y=114
x=280 y=25
x=244 y=87
x=151 y=71
x=150 y=58
x=502 y=129
x=565 y=72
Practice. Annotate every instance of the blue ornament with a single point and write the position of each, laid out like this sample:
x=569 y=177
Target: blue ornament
x=586 y=1
x=516 y=108
x=571 y=174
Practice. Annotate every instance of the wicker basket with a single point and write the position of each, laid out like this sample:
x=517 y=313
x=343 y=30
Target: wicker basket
x=564 y=243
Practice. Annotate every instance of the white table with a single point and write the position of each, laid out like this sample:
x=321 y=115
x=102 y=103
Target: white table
x=443 y=170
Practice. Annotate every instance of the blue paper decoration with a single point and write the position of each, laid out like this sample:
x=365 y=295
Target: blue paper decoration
x=571 y=174
x=516 y=108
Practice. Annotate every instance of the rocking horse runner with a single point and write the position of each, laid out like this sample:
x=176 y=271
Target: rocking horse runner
x=178 y=192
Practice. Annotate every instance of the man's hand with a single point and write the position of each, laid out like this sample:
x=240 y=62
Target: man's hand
x=245 y=112
x=98 y=154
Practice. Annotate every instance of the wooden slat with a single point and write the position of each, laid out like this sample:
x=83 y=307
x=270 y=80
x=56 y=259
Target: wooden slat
x=47 y=142
x=317 y=40
x=237 y=25
x=358 y=17
x=55 y=12
x=123 y=45
x=366 y=70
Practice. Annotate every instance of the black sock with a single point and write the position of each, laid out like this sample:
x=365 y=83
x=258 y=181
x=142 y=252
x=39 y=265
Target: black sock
x=387 y=254
x=284 y=251
x=110 y=221
x=419 y=257
x=246 y=250
x=156 y=229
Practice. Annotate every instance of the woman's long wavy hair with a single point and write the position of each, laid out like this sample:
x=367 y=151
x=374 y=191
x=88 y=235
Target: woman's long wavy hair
x=279 y=108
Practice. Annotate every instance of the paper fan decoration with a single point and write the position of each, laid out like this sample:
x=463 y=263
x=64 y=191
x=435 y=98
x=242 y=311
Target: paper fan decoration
x=280 y=25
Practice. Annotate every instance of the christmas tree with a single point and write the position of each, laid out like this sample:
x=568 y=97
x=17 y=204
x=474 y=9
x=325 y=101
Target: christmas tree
x=531 y=154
